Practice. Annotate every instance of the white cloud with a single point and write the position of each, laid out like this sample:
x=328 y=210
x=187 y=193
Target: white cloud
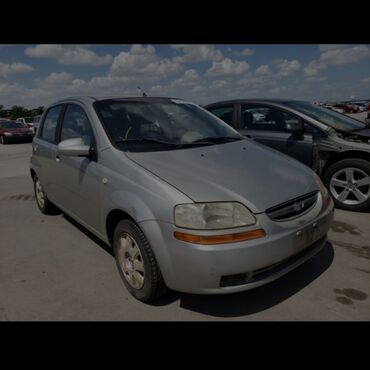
x=190 y=77
x=326 y=47
x=286 y=67
x=263 y=70
x=68 y=54
x=345 y=55
x=8 y=69
x=55 y=80
x=198 y=53
x=313 y=68
x=142 y=61
x=316 y=79
x=218 y=84
x=227 y=68
x=247 y=52
x=336 y=55
x=366 y=79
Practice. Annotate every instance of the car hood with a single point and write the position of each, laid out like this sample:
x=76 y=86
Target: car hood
x=242 y=171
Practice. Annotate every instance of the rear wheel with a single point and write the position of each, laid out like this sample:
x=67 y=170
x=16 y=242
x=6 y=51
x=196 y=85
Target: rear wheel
x=136 y=263
x=45 y=206
x=349 y=184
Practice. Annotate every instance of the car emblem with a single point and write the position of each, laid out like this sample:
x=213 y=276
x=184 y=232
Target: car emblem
x=298 y=206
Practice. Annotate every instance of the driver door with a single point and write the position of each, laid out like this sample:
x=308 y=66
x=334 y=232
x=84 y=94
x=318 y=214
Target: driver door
x=267 y=125
x=78 y=179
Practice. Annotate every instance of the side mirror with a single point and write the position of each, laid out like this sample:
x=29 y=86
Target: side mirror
x=294 y=127
x=73 y=148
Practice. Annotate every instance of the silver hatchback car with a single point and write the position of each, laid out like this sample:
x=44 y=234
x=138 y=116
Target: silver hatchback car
x=185 y=201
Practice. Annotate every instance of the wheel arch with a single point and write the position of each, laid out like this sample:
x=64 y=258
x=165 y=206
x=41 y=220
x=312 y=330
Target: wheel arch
x=113 y=218
x=348 y=154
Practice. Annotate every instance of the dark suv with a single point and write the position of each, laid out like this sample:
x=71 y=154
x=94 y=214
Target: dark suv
x=336 y=146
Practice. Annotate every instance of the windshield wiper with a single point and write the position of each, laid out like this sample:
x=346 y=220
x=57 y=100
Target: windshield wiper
x=145 y=141
x=218 y=139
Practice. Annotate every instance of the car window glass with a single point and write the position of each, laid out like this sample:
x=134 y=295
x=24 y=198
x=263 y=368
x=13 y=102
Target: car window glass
x=50 y=123
x=76 y=124
x=265 y=118
x=225 y=113
x=310 y=129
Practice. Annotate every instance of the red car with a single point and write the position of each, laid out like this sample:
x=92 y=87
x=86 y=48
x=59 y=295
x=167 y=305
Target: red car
x=14 y=131
x=348 y=108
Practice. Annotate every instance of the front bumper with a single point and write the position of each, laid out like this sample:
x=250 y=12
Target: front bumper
x=15 y=138
x=203 y=269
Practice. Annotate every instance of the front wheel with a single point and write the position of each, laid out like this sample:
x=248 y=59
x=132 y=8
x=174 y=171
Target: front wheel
x=136 y=262
x=349 y=184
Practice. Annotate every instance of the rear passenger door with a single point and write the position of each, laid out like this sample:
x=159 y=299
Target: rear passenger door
x=266 y=124
x=44 y=149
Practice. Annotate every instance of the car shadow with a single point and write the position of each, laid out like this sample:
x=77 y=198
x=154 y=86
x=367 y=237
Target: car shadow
x=258 y=299
x=89 y=234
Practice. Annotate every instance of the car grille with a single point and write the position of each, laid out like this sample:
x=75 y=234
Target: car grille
x=293 y=208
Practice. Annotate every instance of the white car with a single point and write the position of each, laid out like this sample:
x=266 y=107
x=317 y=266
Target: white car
x=335 y=109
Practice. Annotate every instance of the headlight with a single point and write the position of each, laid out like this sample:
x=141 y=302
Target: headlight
x=212 y=216
x=323 y=190
x=8 y=134
x=321 y=186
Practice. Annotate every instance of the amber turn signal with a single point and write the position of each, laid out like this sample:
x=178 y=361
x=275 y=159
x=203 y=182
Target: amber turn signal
x=220 y=239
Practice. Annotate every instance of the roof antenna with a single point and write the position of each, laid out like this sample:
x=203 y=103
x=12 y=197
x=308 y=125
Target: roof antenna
x=142 y=91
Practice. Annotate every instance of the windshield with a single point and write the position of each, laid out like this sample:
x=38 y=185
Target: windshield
x=166 y=124
x=11 y=124
x=29 y=119
x=333 y=119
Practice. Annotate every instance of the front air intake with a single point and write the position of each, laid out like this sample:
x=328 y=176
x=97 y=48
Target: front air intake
x=293 y=208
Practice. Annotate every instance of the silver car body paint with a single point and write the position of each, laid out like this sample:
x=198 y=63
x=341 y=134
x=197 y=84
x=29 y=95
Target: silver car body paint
x=147 y=186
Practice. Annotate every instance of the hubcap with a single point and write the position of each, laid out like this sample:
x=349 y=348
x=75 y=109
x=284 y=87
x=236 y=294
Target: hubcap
x=350 y=186
x=40 y=195
x=131 y=261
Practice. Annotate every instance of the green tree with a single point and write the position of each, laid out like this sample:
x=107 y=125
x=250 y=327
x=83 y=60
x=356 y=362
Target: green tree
x=18 y=111
x=37 y=111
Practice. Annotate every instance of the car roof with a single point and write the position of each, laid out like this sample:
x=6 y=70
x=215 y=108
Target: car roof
x=91 y=99
x=258 y=100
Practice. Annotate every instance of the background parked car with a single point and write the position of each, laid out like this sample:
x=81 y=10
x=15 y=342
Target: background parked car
x=361 y=105
x=11 y=131
x=348 y=108
x=335 y=109
x=336 y=146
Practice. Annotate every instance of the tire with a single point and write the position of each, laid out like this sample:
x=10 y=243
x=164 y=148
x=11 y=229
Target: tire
x=360 y=168
x=152 y=283
x=46 y=207
x=2 y=140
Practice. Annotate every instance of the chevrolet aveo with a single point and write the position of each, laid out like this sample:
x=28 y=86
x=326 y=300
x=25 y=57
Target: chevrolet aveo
x=185 y=201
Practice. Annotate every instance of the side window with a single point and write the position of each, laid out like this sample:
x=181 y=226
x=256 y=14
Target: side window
x=50 y=124
x=76 y=124
x=225 y=113
x=265 y=118
x=311 y=129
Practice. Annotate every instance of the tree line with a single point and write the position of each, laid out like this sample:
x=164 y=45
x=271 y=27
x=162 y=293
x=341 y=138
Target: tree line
x=17 y=111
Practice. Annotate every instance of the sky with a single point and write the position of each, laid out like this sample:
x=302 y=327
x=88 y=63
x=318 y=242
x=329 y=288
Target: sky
x=37 y=75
